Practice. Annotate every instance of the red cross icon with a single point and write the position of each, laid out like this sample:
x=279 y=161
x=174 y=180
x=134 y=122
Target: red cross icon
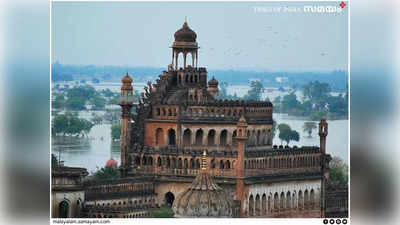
x=342 y=4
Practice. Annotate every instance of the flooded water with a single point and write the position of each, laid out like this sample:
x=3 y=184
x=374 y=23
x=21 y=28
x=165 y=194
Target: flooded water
x=337 y=143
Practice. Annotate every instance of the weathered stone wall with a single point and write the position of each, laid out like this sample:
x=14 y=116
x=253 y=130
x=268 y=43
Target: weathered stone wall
x=283 y=199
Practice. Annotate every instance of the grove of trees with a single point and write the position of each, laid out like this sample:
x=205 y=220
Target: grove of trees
x=69 y=124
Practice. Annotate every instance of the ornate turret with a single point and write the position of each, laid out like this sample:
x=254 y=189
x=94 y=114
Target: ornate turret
x=204 y=198
x=126 y=105
x=213 y=87
x=185 y=43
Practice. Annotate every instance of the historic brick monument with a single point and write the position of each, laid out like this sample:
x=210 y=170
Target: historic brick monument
x=181 y=141
x=179 y=116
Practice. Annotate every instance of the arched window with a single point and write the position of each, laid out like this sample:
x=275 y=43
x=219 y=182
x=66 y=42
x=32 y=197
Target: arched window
x=168 y=163
x=223 y=138
x=306 y=199
x=197 y=163
x=212 y=163
x=221 y=165
x=288 y=200
x=282 y=204
x=251 y=205
x=211 y=137
x=159 y=137
x=185 y=163
x=179 y=163
x=228 y=164
x=187 y=136
x=300 y=200
x=276 y=201
x=159 y=162
x=192 y=166
x=258 y=205
x=264 y=204
x=172 y=137
x=158 y=111
x=63 y=209
x=199 y=137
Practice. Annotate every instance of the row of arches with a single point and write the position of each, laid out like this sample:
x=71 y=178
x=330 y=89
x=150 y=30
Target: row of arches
x=282 y=163
x=179 y=163
x=216 y=111
x=166 y=111
x=278 y=202
x=212 y=137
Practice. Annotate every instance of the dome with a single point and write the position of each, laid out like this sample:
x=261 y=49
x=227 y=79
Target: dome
x=111 y=163
x=126 y=79
x=213 y=82
x=185 y=34
x=204 y=198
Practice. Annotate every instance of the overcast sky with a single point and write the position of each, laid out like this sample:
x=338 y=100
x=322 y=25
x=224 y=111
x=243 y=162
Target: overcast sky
x=231 y=35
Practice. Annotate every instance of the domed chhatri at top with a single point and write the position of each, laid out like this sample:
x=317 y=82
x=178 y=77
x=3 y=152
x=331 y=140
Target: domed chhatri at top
x=204 y=198
x=213 y=82
x=185 y=34
x=126 y=79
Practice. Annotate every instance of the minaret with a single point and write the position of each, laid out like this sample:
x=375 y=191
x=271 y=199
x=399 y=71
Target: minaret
x=241 y=138
x=126 y=105
x=323 y=132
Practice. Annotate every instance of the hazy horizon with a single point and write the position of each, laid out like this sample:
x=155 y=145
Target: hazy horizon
x=231 y=35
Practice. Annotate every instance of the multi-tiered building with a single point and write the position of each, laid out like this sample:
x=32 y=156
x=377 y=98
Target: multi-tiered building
x=180 y=116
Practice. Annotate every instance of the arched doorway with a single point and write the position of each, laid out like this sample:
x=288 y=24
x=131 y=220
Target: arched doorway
x=169 y=198
x=187 y=136
x=171 y=137
x=63 y=209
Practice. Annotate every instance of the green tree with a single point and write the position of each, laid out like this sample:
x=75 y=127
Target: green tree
x=255 y=92
x=289 y=102
x=75 y=103
x=98 y=102
x=116 y=131
x=70 y=124
x=287 y=134
x=105 y=173
x=315 y=91
x=338 y=171
x=59 y=101
x=309 y=126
